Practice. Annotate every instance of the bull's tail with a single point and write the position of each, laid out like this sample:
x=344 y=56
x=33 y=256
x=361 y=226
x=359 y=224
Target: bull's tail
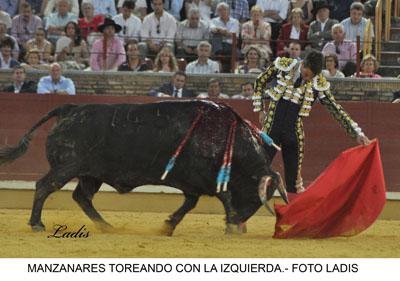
x=10 y=153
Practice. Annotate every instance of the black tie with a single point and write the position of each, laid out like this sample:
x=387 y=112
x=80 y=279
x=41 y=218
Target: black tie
x=170 y=4
x=176 y=92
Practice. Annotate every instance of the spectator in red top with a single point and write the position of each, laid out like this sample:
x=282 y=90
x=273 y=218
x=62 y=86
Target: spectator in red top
x=89 y=22
x=295 y=29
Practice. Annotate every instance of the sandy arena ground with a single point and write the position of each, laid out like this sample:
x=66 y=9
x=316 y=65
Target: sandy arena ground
x=199 y=235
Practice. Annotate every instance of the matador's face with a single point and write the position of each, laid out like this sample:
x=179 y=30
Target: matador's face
x=306 y=73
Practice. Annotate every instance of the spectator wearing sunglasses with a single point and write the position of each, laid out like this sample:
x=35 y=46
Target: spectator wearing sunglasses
x=131 y=24
x=24 y=25
x=159 y=29
x=345 y=50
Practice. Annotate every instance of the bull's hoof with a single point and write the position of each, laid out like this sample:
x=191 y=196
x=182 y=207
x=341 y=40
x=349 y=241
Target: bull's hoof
x=167 y=228
x=233 y=229
x=243 y=227
x=105 y=227
x=38 y=228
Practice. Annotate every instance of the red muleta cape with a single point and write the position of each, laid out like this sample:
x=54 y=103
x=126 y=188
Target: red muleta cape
x=343 y=201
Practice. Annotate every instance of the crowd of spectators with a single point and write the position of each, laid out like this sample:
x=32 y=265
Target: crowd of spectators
x=195 y=36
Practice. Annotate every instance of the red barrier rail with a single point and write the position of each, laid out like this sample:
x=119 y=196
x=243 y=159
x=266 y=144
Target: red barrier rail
x=324 y=138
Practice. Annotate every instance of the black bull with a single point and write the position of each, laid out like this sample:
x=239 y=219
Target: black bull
x=128 y=145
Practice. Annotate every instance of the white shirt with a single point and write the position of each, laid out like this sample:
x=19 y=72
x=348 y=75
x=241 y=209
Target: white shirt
x=206 y=96
x=130 y=26
x=232 y=25
x=17 y=88
x=322 y=24
x=62 y=43
x=4 y=64
x=166 y=28
x=178 y=92
x=205 y=10
x=294 y=34
x=138 y=4
x=276 y=5
x=209 y=67
x=5 y=18
x=51 y=7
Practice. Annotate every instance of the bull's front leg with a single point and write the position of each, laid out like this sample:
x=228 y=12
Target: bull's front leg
x=174 y=219
x=232 y=218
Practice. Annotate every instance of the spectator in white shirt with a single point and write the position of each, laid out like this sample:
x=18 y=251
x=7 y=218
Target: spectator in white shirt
x=5 y=18
x=356 y=23
x=274 y=12
x=190 y=33
x=203 y=5
x=140 y=8
x=158 y=30
x=221 y=29
x=131 y=24
x=203 y=65
x=51 y=7
x=57 y=21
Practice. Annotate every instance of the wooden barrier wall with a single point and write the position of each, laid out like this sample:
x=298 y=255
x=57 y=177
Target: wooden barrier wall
x=324 y=138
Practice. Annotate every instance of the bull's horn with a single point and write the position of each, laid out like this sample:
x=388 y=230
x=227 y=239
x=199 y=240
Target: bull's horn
x=266 y=204
x=262 y=193
x=281 y=189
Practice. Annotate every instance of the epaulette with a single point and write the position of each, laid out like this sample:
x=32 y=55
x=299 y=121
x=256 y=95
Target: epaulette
x=320 y=83
x=285 y=64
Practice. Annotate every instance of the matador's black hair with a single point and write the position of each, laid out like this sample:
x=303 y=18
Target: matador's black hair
x=314 y=60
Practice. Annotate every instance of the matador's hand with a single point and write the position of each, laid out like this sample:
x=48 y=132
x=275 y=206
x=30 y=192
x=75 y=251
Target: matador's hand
x=364 y=140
